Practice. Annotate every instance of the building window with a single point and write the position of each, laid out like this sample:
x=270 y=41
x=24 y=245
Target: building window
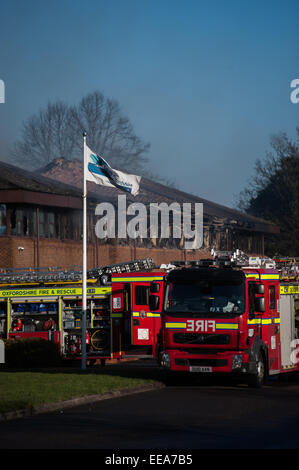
x=13 y=221
x=57 y=226
x=51 y=219
x=48 y=224
x=28 y=225
x=68 y=227
x=42 y=224
x=2 y=219
x=22 y=222
x=51 y=223
x=34 y=223
x=19 y=222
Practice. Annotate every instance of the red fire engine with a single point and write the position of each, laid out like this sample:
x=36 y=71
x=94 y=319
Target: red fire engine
x=47 y=304
x=231 y=314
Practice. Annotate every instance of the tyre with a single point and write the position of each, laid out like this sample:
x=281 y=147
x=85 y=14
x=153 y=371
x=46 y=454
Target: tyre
x=257 y=379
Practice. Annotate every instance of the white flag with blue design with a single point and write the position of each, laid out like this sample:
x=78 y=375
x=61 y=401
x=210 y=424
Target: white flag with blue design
x=100 y=172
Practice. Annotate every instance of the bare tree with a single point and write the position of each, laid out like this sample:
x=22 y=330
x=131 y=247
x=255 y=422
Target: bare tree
x=46 y=136
x=57 y=132
x=265 y=170
x=109 y=132
x=273 y=194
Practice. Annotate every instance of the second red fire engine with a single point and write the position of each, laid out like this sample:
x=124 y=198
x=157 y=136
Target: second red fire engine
x=230 y=315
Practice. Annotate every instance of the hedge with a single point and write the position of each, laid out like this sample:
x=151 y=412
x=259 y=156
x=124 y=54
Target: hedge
x=31 y=352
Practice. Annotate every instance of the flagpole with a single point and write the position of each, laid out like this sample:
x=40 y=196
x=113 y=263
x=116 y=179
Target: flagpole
x=84 y=263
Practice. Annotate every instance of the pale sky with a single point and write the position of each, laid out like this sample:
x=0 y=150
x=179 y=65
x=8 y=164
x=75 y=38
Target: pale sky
x=206 y=83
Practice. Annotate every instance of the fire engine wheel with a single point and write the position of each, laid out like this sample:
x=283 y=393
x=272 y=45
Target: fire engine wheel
x=257 y=379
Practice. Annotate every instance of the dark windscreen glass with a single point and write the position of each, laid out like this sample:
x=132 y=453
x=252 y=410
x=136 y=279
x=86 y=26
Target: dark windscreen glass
x=209 y=297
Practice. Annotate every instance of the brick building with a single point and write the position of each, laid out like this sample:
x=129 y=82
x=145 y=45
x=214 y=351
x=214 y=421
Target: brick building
x=41 y=221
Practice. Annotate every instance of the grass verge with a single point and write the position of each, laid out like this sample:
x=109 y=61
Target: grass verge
x=23 y=390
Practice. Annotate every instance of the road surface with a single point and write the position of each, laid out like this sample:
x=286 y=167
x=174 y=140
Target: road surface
x=202 y=416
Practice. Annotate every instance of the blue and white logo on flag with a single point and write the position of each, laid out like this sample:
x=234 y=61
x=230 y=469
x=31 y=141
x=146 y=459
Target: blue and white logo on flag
x=100 y=172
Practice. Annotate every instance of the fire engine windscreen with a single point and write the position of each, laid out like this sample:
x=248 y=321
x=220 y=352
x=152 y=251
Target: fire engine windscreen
x=207 y=292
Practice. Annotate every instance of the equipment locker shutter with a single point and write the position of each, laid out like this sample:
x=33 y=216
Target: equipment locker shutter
x=287 y=328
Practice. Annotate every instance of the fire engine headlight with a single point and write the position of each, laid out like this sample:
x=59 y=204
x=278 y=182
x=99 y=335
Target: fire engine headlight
x=165 y=360
x=237 y=361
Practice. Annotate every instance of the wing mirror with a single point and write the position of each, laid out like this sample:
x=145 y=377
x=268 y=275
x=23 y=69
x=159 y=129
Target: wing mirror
x=154 y=287
x=260 y=289
x=154 y=302
x=259 y=304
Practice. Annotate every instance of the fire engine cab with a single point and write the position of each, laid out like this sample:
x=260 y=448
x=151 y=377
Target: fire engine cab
x=231 y=314
x=131 y=314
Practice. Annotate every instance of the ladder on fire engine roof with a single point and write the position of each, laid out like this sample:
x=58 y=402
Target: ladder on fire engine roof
x=287 y=267
x=54 y=275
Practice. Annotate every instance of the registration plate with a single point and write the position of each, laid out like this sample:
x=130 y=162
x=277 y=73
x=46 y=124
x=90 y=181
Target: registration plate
x=200 y=369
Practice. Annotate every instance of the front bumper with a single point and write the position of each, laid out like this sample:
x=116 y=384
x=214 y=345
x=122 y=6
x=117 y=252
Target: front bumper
x=221 y=362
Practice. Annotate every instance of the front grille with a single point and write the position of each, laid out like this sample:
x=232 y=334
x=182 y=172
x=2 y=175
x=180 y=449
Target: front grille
x=200 y=350
x=196 y=338
x=208 y=362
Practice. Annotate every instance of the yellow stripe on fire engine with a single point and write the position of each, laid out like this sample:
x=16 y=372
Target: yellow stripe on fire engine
x=148 y=314
x=270 y=277
x=175 y=325
x=256 y=321
x=266 y=321
x=265 y=277
x=218 y=326
x=227 y=326
x=63 y=291
x=116 y=315
x=289 y=290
